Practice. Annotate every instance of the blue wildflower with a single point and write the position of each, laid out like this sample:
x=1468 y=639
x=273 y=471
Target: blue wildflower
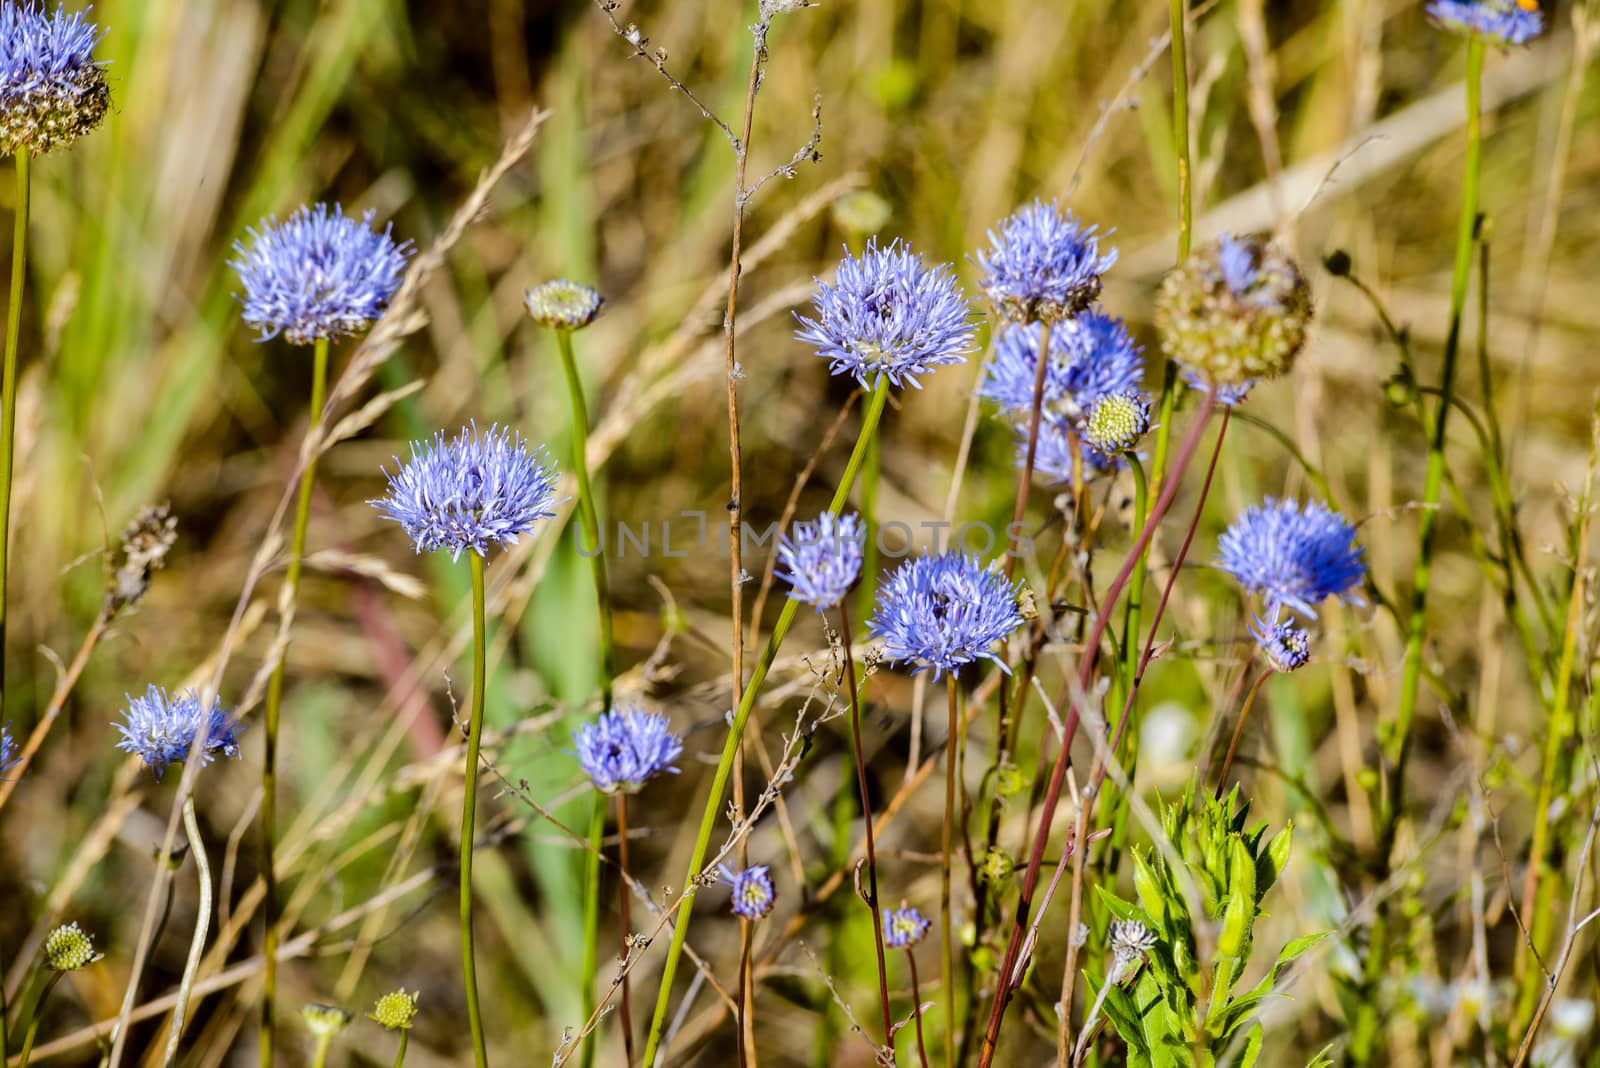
x=889 y=315
x=52 y=90
x=472 y=492
x=1053 y=456
x=944 y=611
x=9 y=757
x=753 y=892
x=161 y=728
x=1090 y=356
x=1508 y=22
x=626 y=748
x=1286 y=646
x=822 y=560
x=904 y=927
x=319 y=275
x=1043 y=265
x=1228 y=395
x=1294 y=558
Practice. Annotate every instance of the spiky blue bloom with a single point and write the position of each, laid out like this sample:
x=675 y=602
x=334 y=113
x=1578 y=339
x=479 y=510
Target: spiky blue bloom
x=626 y=748
x=753 y=892
x=904 y=927
x=320 y=274
x=1286 y=646
x=1509 y=22
x=52 y=90
x=1293 y=557
x=1090 y=356
x=822 y=560
x=470 y=492
x=944 y=611
x=1043 y=265
x=889 y=315
x=1229 y=395
x=161 y=728
x=8 y=750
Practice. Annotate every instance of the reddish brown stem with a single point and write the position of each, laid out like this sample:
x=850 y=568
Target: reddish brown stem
x=1238 y=728
x=624 y=926
x=916 y=1007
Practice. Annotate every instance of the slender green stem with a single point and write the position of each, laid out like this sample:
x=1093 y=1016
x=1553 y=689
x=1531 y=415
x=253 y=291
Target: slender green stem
x=591 y=919
x=202 y=925
x=469 y=810
x=8 y=388
x=34 y=1018
x=867 y=591
x=269 y=758
x=400 y=1054
x=947 y=959
x=5 y=1041
x=1178 y=16
x=694 y=877
x=624 y=925
x=319 y=1057
x=588 y=511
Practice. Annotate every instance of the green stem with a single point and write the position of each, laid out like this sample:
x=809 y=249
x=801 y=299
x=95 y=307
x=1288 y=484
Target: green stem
x=591 y=919
x=269 y=758
x=319 y=1058
x=713 y=808
x=34 y=1017
x=400 y=1054
x=866 y=593
x=8 y=389
x=469 y=810
x=202 y=925
x=588 y=511
x=947 y=960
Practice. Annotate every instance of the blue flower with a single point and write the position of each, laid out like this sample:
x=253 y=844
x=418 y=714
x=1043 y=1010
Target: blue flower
x=9 y=757
x=471 y=492
x=1286 y=646
x=1043 y=265
x=52 y=90
x=822 y=560
x=753 y=892
x=1510 y=22
x=161 y=728
x=1229 y=395
x=1053 y=456
x=319 y=275
x=626 y=748
x=889 y=315
x=944 y=611
x=1293 y=558
x=904 y=927
x=1090 y=356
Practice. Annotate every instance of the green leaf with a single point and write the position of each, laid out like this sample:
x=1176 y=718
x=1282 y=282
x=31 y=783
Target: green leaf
x=1252 y=1048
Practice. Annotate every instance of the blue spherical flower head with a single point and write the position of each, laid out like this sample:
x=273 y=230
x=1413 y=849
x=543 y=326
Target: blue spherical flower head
x=753 y=892
x=1506 y=22
x=626 y=748
x=889 y=315
x=1043 y=265
x=471 y=492
x=904 y=927
x=319 y=275
x=1286 y=646
x=8 y=751
x=1090 y=356
x=944 y=611
x=161 y=728
x=822 y=559
x=1293 y=557
x=52 y=90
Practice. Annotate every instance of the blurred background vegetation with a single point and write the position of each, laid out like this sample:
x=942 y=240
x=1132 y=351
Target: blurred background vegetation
x=1335 y=123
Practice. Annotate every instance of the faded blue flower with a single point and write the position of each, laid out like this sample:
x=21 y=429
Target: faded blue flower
x=1043 y=265
x=1294 y=558
x=1286 y=646
x=1090 y=356
x=944 y=611
x=1229 y=395
x=161 y=728
x=904 y=927
x=321 y=274
x=888 y=314
x=822 y=559
x=626 y=748
x=1509 y=22
x=9 y=757
x=470 y=492
x=52 y=90
x=753 y=892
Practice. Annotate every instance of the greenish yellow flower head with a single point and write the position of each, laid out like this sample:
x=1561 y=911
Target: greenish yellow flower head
x=325 y=1021
x=395 y=1010
x=1237 y=309
x=1117 y=422
x=563 y=305
x=69 y=948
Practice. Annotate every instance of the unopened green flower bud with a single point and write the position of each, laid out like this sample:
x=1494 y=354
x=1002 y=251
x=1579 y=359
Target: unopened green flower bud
x=325 y=1021
x=1117 y=422
x=395 y=1010
x=563 y=305
x=69 y=948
